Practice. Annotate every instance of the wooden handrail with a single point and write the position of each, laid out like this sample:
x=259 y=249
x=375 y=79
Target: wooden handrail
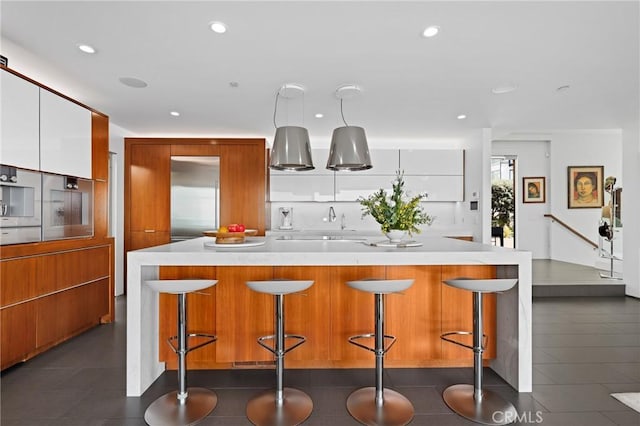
x=579 y=235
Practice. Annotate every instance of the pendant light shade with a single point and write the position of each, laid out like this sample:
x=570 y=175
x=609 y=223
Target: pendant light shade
x=349 y=150
x=291 y=149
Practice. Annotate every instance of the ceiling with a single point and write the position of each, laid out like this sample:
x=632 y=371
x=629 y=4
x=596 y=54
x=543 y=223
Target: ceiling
x=413 y=88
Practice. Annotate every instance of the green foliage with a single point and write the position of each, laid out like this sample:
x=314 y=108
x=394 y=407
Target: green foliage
x=396 y=211
x=502 y=203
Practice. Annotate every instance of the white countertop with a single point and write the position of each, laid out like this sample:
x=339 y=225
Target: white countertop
x=434 y=251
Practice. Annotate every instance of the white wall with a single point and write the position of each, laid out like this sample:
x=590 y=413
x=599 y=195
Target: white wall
x=116 y=146
x=584 y=148
x=631 y=208
x=532 y=228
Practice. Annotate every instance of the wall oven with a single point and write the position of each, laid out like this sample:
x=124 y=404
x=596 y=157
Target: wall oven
x=20 y=213
x=67 y=207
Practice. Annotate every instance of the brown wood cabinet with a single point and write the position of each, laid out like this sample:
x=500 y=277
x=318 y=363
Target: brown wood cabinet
x=70 y=312
x=49 y=298
x=18 y=333
x=149 y=188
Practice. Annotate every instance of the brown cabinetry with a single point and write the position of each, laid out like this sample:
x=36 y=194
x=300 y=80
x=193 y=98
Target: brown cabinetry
x=18 y=333
x=149 y=188
x=49 y=298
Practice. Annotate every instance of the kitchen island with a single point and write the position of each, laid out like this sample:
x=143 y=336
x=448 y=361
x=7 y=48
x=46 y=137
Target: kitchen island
x=513 y=358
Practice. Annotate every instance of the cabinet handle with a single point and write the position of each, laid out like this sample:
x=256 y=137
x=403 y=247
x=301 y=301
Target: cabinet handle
x=149 y=230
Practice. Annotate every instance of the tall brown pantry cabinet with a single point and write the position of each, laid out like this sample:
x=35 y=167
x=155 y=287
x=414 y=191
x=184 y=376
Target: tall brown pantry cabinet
x=149 y=193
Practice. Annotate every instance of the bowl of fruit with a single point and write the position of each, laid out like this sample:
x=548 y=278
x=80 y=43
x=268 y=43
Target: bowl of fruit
x=234 y=233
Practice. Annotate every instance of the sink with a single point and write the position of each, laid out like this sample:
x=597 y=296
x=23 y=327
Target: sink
x=330 y=232
x=332 y=237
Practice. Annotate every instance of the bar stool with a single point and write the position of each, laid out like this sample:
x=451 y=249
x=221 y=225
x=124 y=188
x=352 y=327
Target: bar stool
x=471 y=401
x=284 y=406
x=186 y=406
x=377 y=405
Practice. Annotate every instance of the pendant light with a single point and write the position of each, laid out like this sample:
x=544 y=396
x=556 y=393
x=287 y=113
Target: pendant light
x=349 y=149
x=291 y=148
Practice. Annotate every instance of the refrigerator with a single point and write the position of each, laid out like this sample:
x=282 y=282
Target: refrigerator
x=195 y=196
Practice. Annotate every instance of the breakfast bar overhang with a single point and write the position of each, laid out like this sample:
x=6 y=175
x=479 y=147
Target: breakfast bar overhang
x=513 y=361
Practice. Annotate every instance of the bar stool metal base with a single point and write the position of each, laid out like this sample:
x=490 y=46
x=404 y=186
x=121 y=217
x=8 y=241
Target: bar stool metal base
x=262 y=409
x=396 y=410
x=492 y=410
x=167 y=411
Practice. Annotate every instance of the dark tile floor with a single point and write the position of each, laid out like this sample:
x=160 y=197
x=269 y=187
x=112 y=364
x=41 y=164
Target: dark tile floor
x=584 y=349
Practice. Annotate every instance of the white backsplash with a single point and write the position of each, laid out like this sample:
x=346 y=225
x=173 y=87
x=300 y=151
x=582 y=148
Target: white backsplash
x=314 y=216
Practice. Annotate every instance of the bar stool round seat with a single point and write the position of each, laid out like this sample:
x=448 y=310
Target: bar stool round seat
x=186 y=406
x=378 y=405
x=282 y=406
x=472 y=401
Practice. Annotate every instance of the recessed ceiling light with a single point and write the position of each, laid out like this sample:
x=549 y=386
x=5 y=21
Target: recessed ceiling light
x=505 y=88
x=319 y=115
x=175 y=113
x=86 y=48
x=133 y=82
x=218 y=27
x=431 y=31
x=461 y=116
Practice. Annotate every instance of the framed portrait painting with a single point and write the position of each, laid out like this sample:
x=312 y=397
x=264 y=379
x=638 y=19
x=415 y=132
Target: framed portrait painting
x=585 y=186
x=533 y=190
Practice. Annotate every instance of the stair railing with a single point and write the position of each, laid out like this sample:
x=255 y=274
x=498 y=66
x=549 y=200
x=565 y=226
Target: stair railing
x=573 y=231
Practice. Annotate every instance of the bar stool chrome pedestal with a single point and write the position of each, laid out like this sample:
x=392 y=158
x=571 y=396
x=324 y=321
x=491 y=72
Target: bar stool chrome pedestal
x=186 y=406
x=471 y=401
x=378 y=406
x=284 y=406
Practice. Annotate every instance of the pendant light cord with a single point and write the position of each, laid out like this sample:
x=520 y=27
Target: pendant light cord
x=275 y=109
x=342 y=113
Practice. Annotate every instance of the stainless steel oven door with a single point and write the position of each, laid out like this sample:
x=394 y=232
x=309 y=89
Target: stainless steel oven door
x=67 y=207
x=20 y=202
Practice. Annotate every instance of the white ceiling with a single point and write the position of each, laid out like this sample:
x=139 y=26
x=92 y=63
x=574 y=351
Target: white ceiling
x=412 y=87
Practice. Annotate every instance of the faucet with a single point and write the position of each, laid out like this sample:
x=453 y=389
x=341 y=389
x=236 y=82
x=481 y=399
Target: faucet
x=332 y=214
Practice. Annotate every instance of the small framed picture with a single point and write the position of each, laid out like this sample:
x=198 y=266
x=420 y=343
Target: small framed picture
x=585 y=187
x=533 y=190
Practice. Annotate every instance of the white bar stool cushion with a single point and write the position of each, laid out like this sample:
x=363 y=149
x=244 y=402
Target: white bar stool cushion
x=380 y=286
x=276 y=287
x=483 y=285
x=179 y=286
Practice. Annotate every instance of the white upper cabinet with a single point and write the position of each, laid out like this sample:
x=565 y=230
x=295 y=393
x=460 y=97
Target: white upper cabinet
x=65 y=136
x=384 y=162
x=19 y=143
x=436 y=162
x=301 y=187
x=438 y=188
x=350 y=187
